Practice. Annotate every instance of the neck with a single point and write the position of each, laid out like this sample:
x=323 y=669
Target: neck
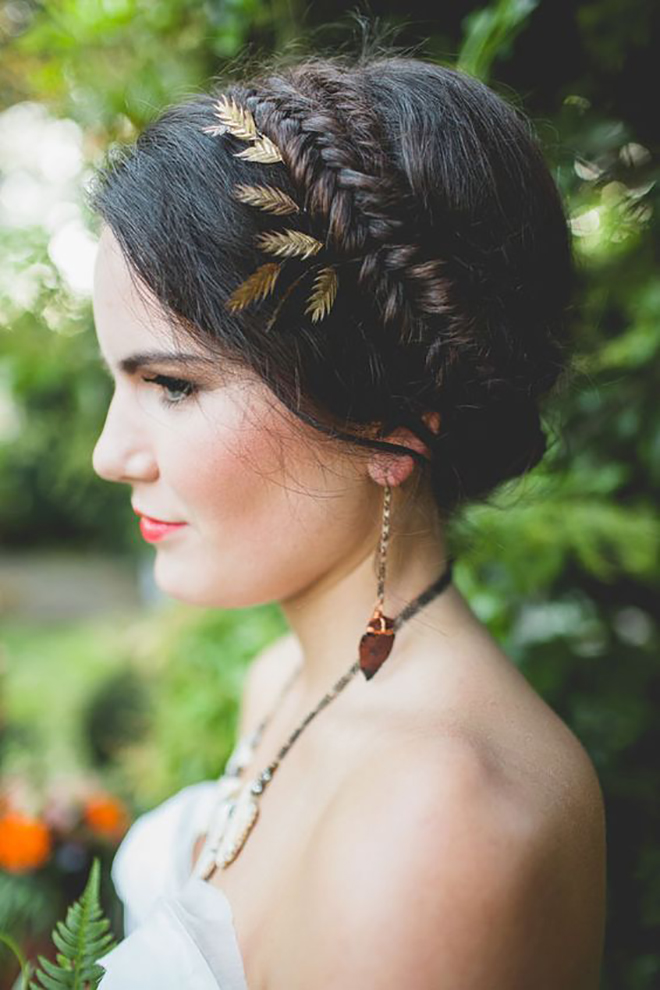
x=329 y=617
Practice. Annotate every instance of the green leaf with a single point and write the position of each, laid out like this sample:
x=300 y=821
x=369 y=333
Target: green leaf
x=15 y=948
x=82 y=938
x=489 y=34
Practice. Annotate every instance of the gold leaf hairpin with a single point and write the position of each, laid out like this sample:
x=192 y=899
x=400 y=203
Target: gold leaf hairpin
x=237 y=120
x=257 y=286
x=262 y=150
x=289 y=243
x=268 y=198
x=240 y=122
x=323 y=294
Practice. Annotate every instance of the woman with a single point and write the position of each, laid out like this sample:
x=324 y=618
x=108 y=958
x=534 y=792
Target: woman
x=331 y=298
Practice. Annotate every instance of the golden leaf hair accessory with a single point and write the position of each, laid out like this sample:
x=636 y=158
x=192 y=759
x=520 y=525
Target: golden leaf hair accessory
x=259 y=284
x=268 y=198
x=323 y=295
x=290 y=243
x=234 y=119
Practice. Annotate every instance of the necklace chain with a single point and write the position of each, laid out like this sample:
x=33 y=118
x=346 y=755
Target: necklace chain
x=236 y=809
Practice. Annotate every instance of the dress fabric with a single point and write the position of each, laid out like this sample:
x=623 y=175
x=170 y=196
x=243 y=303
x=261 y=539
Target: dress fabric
x=179 y=929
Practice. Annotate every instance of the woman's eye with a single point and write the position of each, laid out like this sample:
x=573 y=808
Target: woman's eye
x=181 y=388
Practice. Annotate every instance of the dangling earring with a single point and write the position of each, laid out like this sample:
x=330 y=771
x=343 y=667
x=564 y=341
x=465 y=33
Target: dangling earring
x=376 y=643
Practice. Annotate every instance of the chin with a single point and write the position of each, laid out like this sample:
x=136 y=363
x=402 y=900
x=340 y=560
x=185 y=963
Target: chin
x=205 y=591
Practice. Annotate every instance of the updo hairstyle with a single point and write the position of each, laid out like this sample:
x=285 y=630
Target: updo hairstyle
x=444 y=224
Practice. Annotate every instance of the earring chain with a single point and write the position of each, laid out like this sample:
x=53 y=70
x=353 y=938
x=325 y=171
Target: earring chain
x=383 y=544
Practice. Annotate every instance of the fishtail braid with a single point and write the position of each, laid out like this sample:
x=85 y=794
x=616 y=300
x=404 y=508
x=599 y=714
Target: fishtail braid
x=333 y=145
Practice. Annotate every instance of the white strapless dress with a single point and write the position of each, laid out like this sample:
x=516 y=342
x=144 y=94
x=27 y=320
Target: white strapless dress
x=179 y=929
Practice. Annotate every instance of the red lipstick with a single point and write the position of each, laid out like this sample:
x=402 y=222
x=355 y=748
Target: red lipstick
x=155 y=529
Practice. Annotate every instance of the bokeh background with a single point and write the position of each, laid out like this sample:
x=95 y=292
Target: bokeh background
x=113 y=697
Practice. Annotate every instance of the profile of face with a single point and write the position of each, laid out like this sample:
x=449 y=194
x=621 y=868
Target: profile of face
x=270 y=507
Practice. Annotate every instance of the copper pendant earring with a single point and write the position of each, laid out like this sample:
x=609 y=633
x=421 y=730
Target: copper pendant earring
x=376 y=643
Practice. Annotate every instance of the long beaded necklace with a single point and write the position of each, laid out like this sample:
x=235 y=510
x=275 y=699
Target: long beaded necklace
x=237 y=809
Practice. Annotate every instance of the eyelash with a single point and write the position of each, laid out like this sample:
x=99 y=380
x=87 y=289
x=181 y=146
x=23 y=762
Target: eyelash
x=174 y=385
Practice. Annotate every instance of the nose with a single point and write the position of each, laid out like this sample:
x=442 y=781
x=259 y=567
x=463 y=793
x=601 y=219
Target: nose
x=122 y=452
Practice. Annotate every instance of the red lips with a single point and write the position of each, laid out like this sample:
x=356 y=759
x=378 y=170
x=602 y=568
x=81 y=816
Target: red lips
x=155 y=529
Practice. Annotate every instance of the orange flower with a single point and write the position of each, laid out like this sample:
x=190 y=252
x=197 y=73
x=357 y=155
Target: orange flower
x=25 y=842
x=106 y=815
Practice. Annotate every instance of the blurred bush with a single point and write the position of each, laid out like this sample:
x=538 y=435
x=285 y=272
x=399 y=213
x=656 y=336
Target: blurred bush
x=563 y=567
x=135 y=710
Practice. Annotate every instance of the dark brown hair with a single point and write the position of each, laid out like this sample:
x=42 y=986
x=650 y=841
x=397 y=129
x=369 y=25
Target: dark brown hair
x=435 y=205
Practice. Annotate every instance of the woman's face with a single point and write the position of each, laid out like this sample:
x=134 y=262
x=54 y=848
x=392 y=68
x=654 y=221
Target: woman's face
x=269 y=507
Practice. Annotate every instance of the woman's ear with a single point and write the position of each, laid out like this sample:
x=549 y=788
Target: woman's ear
x=393 y=469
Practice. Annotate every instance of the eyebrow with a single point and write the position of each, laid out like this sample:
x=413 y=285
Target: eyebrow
x=129 y=365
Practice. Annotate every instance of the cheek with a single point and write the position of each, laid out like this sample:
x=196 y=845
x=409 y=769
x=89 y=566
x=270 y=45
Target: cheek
x=269 y=484
x=226 y=485
x=230 y=476
x=269 y=508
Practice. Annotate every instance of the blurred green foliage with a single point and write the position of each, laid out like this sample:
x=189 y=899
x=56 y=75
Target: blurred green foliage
x=148 y=704
x=563 y=567
x=152 y=701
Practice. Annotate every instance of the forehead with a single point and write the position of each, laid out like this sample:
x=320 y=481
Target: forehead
x=133 y=331
x=126 y=317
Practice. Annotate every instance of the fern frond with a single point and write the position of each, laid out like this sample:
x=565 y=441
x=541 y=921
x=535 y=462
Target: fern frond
x=233 y=118
x=257 y=286
x=82 y=939
x=323 y=294
x=268 y=198
x=262 y=150
x=289 y=243
x=26 y=968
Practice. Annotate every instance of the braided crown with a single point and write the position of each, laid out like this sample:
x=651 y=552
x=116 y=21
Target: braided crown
x=331 y=141
x=288 y=243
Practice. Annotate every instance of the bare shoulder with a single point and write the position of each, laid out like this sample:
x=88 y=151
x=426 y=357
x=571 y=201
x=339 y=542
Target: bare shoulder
x=265 y=676
x=439 y=868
